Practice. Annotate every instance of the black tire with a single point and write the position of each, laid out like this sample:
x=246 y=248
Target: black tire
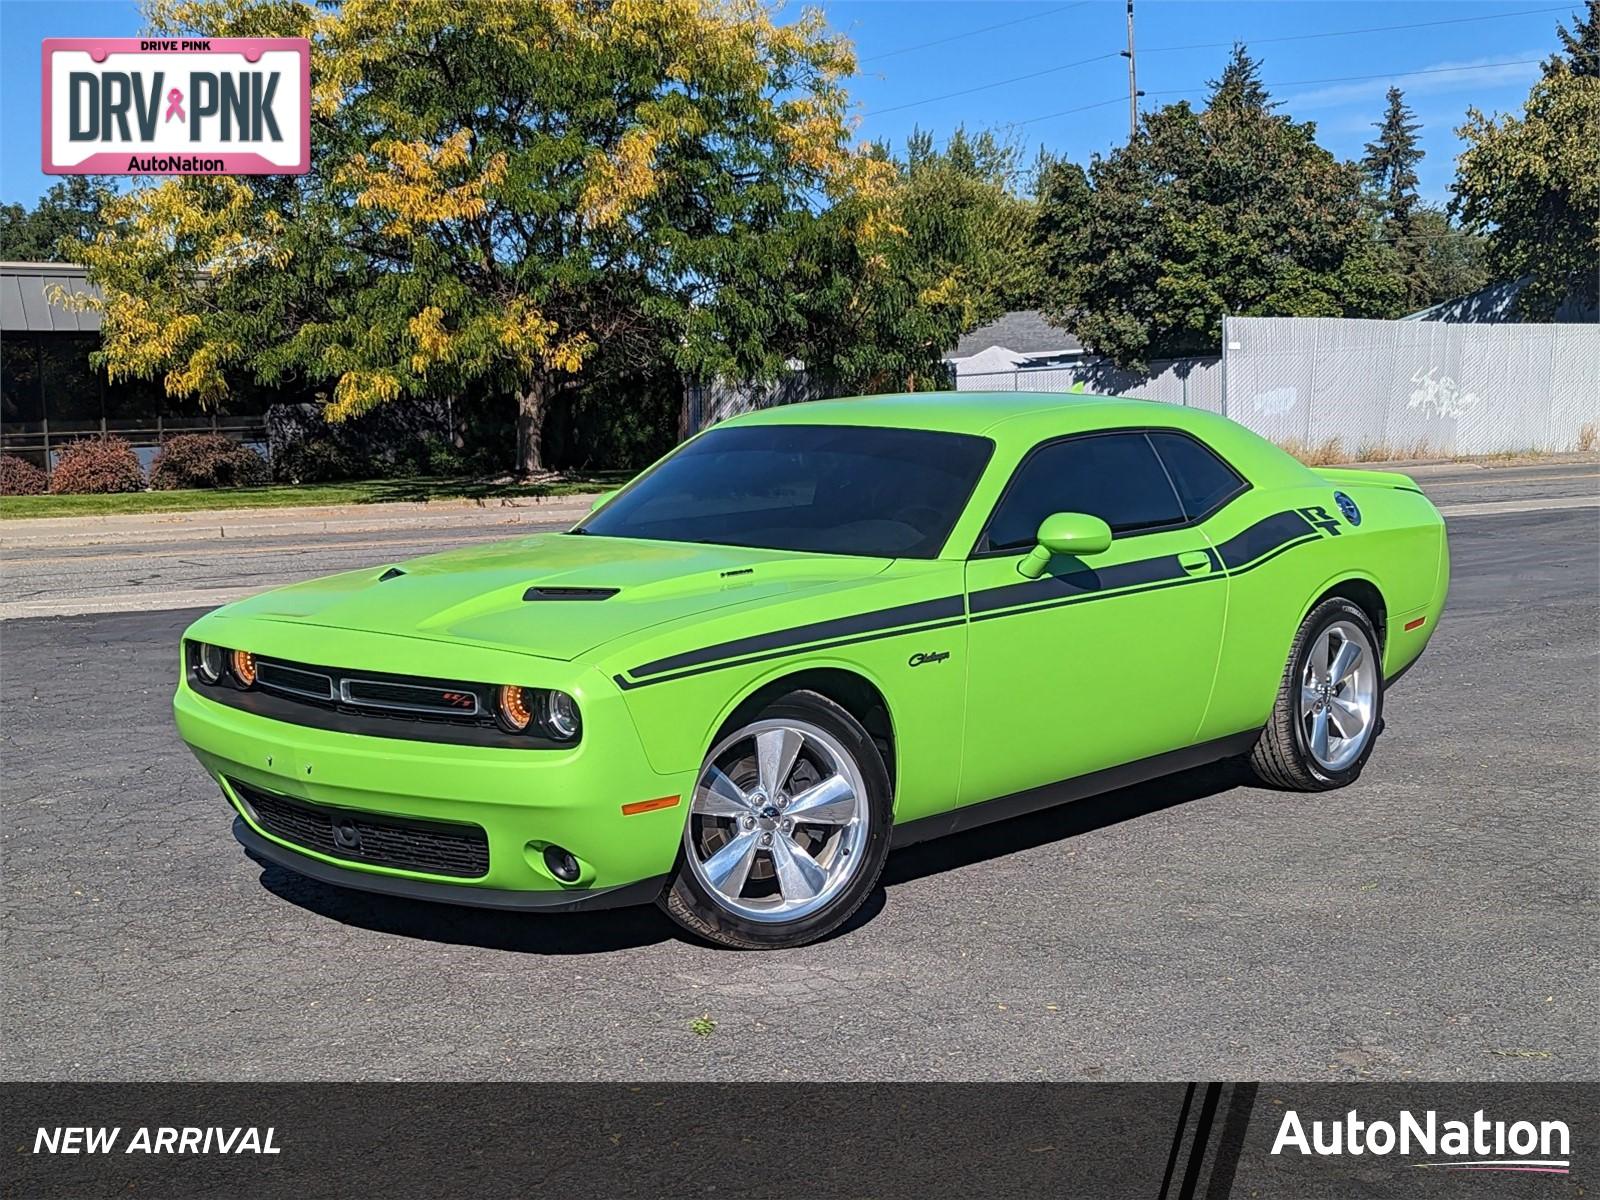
x=1281 y=758
x=688 y=902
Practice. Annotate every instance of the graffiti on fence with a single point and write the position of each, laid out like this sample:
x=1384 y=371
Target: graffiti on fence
x=1275 y=402
x=1441 y=397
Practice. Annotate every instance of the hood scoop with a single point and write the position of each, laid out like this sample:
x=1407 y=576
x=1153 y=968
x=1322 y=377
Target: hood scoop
x=391 y=573
x=569 y=593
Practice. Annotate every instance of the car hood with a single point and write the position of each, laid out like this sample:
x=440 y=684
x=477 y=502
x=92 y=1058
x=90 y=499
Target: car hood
x=552 y=595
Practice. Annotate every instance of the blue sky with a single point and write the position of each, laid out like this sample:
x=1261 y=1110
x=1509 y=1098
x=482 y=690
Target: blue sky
x=1467 y=53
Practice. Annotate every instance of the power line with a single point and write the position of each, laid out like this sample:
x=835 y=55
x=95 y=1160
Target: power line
x=1190 y=91
x=984 y=87
x=1518 y=62
x=1067 y=112
x=1296 y=37
x=956 y=37
x=1302 y=37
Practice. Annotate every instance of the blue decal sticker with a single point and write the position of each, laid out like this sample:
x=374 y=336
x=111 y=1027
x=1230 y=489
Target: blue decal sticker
x=1348 y=507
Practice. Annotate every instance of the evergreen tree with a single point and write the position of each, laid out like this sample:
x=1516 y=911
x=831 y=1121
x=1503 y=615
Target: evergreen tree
x=1231 y=210
x=1239 y=86
x=1580 y=46
x=1391 y=161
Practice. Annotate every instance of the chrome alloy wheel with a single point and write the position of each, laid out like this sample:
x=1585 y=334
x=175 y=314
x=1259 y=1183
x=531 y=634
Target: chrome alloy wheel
x=779 y=821
x=1338 y=695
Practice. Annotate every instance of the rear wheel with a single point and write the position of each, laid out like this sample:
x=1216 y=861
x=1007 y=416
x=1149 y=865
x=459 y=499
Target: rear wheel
x=788 y=828
x=1330 y=704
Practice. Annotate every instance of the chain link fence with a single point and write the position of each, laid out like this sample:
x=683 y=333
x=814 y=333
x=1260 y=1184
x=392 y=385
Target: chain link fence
x=1412 y=389
x=707 y=403
x=1325 y=387
x=1193 y=382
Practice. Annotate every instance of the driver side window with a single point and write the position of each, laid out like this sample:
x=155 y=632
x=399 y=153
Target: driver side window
x=1114 y=476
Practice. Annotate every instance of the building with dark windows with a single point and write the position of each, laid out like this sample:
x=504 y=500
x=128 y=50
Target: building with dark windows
x=52 y=395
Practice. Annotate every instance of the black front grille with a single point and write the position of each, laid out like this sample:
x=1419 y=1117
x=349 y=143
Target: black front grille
x=413 y=708
x=433 y=847
x=421 y=699
x=297 y=681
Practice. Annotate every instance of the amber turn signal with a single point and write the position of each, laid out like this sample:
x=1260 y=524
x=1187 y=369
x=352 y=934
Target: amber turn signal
x=512 y=706
x=244 y=668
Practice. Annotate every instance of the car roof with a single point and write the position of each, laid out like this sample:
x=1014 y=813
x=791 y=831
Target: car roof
x=1016 y=421
x=971 y=412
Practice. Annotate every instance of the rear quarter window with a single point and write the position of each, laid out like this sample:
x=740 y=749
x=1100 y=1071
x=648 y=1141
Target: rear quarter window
x=1204 y=482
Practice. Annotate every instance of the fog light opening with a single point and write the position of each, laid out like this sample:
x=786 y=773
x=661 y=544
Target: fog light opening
x=562 y=864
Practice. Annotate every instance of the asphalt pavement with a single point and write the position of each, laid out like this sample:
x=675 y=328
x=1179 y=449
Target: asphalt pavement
x=1436 y=921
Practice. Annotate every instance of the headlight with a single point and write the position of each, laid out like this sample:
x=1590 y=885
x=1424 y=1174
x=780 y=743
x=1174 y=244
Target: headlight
x=244 y=668
x=208 y=663
x=554 y=714
x=560 y=716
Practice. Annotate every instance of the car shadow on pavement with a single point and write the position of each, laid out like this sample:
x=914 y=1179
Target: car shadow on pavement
x=611 y=930
x=1063 y=822
x=485 y=928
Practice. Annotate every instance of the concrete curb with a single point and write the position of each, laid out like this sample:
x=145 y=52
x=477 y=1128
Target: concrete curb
x=132 y=529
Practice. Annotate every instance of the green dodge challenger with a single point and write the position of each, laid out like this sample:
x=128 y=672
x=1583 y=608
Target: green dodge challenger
x=807 y=636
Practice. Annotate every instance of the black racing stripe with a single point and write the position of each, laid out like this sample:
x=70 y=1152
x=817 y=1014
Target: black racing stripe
x=1078 y=583
x=1258 y=544
x=1088 y=597
x=1270 y=555
x=1265 y=535
x=628 y=686
x=841 y=627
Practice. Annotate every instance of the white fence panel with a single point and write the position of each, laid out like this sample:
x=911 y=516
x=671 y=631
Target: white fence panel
x=1414 y=388
x=1360 y=389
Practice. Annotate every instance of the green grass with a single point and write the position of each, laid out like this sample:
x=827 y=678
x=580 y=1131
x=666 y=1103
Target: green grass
x=368 y=491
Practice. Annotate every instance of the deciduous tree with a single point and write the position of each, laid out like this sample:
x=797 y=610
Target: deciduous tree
x=1531 y=185
x=500 y=188
x=68 y=212
x=1442 y=261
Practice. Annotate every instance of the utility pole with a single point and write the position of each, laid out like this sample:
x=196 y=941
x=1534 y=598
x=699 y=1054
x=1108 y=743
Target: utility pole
x=1133 y=81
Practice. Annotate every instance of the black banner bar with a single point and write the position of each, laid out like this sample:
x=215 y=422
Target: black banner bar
x=1198 y=1141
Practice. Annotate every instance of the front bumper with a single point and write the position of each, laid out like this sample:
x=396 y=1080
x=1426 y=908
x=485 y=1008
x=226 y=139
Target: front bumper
x=323 y=871
x=523 y=800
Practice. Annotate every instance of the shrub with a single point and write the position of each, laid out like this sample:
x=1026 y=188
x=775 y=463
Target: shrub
x=388 y=441
x=98 y=465
x=19 y=477
x=317 y=460
x=206 y=460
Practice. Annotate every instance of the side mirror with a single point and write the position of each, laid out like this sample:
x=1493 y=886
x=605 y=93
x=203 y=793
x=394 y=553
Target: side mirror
x=602 y=498
x=1077 y=534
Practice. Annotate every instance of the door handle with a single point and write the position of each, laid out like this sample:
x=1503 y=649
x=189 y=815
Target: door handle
x=1198 y=562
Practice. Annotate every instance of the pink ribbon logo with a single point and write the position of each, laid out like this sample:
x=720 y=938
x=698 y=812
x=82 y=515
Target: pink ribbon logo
x=175 y=105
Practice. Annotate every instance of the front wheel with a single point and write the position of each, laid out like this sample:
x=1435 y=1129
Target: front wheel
x=788 y=829
x=1330 y=705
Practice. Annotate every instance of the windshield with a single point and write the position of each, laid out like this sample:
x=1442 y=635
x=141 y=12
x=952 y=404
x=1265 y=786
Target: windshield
x=830 y=489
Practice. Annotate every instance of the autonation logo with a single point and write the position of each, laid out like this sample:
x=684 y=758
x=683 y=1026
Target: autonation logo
x=1476 y=1145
